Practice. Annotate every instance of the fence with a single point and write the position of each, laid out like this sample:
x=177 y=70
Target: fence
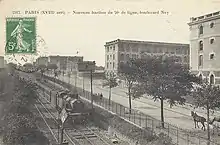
x=179 y=136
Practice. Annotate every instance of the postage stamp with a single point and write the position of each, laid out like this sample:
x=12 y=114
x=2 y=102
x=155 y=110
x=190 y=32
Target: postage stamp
x=20 y=35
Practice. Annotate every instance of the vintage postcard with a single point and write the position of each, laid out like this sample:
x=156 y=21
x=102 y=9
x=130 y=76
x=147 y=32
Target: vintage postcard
x=126 y=72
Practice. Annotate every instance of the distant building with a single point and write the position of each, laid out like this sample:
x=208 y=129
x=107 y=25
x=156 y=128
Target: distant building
x=204 y=46
x=54 y=59
x=119 y=51
x=42 y=61
x=72 y=62
x=86 y=66
x=62 y=65
x=2 y=62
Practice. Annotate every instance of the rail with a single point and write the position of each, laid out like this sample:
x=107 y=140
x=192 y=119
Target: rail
x=66 y=131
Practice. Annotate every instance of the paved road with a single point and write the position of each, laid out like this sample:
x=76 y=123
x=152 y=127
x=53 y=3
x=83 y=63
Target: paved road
x=178 y=115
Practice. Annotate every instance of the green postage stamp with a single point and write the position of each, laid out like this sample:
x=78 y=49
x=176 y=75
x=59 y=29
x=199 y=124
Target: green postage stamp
x=20 y=35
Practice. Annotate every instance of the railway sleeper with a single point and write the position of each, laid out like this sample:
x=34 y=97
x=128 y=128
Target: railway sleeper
x=86 y=136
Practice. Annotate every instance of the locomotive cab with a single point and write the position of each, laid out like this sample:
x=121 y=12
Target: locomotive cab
x=74 y=105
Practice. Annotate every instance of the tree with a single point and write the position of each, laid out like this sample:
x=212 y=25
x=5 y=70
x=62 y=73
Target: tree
x=128 y=72
x=111 y=82
x=208 y=96
x=164 y=79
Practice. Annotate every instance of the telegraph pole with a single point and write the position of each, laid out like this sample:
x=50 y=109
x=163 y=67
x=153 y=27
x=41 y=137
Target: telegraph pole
x=91 y=88
x=83 y=86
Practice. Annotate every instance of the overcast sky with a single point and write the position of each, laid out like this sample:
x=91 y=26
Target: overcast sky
x=66 y=34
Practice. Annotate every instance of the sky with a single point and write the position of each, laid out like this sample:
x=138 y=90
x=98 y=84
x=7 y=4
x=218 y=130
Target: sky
x=87 y=34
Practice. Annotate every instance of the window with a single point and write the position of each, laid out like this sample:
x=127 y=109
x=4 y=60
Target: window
x=172 y=50
x=107 y=65
x=200 y=77
x=200 y=60
x=200 y=45
x=178 y=50
x=212 y=41
x=127 y=56
x=113 y=56
x=113 y=65
x=211 y=79
x=122 y=56
x=185 y=59
x=107 y=49
x=211 y=25
x=113 y=48
x=200 y=30
x=107 y=57
x=211 y=56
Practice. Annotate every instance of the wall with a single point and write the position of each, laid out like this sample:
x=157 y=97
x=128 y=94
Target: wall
x=96 y=75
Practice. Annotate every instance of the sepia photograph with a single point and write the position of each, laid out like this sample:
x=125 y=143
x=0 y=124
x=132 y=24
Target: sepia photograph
x=109 y=72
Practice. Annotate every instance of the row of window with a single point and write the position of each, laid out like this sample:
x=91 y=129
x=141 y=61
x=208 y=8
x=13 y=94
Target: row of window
x=110 y=48
x=109 y=64
x=127 y=56
x=211 y=57
x=111 y=57
x=201 y=47
x=201 y=29
x=211 y=78
x=161 y=50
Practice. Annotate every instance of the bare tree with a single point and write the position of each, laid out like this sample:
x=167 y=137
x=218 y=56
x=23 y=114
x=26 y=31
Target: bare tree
x=128 y=72
x=111 y=82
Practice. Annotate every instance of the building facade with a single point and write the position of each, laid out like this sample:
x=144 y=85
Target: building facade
x=86 y=66
x=204 y=46
x=119 y=51
x=42 y=61
x=54 y=59
x=62 y=65
x=72 y=62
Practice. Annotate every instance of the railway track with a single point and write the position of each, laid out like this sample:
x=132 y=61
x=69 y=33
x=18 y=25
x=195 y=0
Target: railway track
x=192 y=141
x=80 y=135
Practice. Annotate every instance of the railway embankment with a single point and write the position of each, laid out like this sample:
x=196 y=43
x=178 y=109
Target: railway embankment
x=119 y=126
x=18 y=124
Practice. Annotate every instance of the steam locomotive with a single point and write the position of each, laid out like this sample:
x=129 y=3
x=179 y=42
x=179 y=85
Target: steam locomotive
x=73 y=105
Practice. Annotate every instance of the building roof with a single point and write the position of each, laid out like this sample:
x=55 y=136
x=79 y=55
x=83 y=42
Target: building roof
x=204 y=18
x=144 y=42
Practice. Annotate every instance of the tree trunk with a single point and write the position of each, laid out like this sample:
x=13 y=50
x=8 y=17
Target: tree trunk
x=161 y=112
x=109 y=96
x=208 y=130
x=129 y=98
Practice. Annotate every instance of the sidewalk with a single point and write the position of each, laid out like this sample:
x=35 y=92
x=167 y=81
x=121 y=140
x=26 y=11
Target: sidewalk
x=177 y=115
